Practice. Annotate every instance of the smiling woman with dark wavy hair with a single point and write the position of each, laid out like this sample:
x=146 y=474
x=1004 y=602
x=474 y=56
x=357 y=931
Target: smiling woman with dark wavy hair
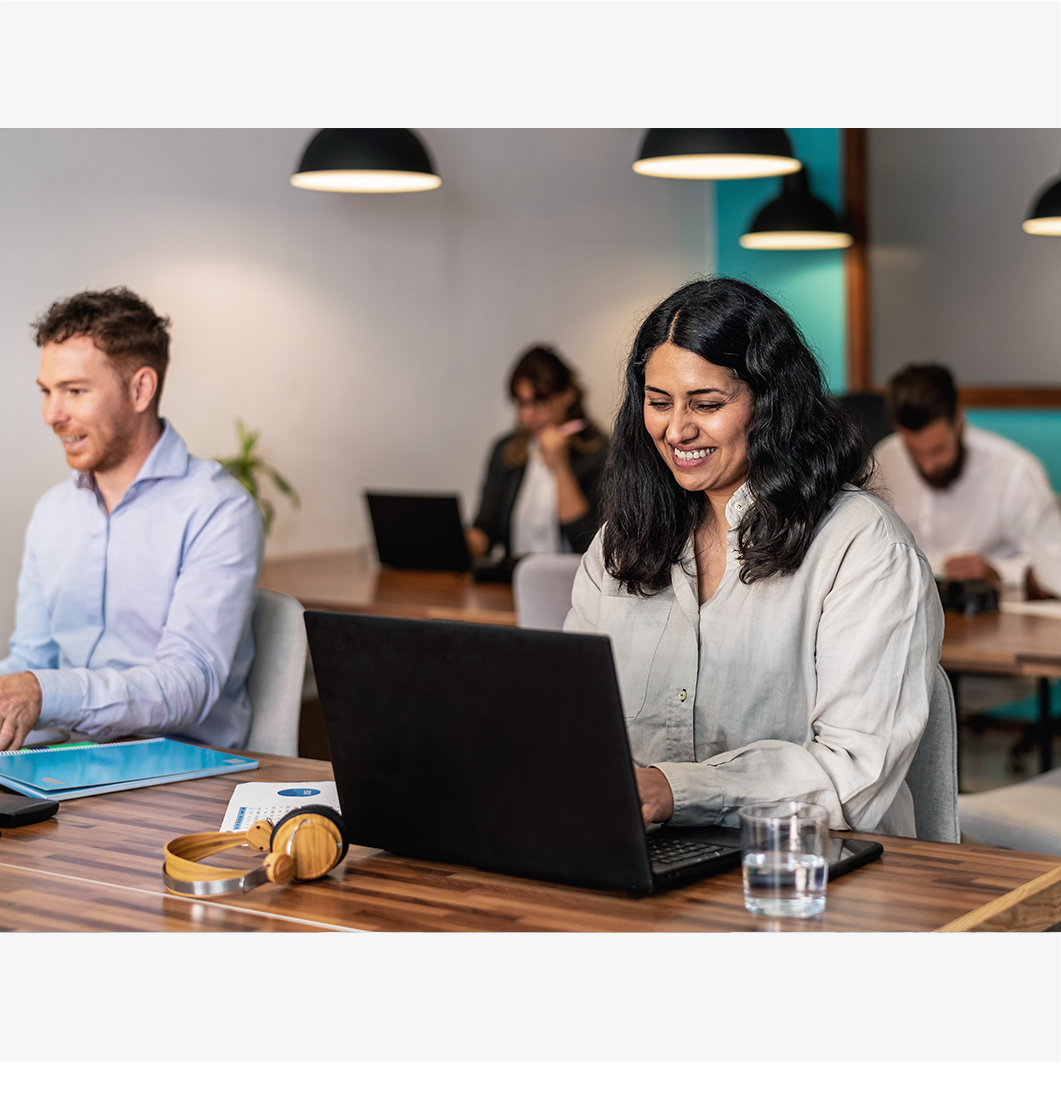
x=774 y=627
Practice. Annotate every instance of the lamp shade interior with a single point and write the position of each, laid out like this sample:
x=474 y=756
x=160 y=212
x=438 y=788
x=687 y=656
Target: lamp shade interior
x=366 y=161
x=715 y=153
x=796 y=240
x=1045 y=217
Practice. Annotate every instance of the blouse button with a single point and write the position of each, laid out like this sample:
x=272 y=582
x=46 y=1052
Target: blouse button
x=681 y=695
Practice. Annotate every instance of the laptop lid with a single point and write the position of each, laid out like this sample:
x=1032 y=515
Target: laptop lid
x=489 y=746
x=418 y=531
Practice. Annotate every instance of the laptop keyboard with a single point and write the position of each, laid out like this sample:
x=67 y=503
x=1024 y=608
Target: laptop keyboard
x=684 y=851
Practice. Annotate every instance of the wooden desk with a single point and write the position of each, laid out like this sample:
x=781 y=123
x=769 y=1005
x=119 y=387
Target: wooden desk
x=347 y=581
x=1006 y=643
x=97 y=866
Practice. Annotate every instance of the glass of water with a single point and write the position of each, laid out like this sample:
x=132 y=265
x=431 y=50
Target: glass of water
x=783 y=858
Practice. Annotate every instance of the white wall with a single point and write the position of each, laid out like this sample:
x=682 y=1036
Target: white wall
x=367 y=336
x=952 y=275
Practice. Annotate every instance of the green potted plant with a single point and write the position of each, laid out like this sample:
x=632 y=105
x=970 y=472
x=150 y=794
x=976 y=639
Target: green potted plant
x=248 y=467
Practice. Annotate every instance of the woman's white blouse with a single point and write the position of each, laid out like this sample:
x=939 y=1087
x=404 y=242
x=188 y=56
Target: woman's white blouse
x=811 y=687
x=535 y=519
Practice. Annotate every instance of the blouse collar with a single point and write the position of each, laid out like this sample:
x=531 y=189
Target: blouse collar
x=738 y=505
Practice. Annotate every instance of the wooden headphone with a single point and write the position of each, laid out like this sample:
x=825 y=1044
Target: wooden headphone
x=304 y=845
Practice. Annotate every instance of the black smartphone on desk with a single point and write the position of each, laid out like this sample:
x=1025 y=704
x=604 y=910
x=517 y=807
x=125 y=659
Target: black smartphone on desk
x=843 y=855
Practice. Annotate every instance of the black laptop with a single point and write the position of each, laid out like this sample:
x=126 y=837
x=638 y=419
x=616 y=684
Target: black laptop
x=500 y=748
x=418 y=530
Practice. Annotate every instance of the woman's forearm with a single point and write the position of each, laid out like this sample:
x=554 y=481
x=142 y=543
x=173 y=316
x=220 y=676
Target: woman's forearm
x=571 y=502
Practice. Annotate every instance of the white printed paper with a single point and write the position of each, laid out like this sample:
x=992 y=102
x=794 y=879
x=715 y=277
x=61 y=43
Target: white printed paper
x=254 y=801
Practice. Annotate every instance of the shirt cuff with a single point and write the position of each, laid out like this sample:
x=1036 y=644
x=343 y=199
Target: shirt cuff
x=696 y=791
x=60 y=697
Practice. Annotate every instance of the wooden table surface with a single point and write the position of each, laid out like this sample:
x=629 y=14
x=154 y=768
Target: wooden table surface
x=97 y=866
x=348 y=581
x=1002 y=642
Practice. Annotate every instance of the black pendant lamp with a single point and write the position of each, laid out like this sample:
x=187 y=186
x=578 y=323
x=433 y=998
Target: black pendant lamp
x=366 y=161
x=716 y=153
x=1045 y=216
x=796 y=220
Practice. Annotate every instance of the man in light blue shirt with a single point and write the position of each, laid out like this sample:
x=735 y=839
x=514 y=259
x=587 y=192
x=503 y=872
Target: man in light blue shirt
x=139 y=575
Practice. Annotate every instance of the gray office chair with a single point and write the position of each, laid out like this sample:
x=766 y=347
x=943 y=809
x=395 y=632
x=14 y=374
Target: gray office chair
x=541 y=587
x=275 y=680
x=1025 y=816
x=933 y=775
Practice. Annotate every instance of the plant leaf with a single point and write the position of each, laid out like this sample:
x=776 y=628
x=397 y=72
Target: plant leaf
x=284 y=486
x=247 y=466
x=268 y=512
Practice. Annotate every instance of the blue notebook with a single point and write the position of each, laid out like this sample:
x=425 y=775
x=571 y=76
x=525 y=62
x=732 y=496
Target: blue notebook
x=82 y=770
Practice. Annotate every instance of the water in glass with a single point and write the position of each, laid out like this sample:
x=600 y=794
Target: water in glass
x=784 y=883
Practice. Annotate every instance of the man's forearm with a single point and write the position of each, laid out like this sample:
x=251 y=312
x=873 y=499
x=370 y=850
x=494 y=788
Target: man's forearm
x=171 y=695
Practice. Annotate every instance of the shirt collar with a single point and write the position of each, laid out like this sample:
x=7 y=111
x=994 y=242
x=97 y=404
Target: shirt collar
x=168 y=459
x=738 y=505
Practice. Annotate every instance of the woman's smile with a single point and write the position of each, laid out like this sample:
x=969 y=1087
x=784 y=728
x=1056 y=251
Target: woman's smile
x=688 y=458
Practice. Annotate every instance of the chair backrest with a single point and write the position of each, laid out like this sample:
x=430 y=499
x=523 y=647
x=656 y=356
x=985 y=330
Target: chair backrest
x=541 y=587
x=870 y=413
x=274 y=683
x=933 y=775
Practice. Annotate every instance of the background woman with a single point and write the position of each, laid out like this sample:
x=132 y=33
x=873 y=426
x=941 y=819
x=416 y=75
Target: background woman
x=542 y=488
x=774 y=627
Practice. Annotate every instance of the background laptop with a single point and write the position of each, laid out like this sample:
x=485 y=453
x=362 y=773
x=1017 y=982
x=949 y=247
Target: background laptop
x=491 y=746
x=418 y=531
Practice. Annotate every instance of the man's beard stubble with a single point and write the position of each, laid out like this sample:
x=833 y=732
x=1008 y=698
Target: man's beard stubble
x=940 y=480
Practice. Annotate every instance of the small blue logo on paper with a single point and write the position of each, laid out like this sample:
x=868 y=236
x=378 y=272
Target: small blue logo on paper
x=298 y=791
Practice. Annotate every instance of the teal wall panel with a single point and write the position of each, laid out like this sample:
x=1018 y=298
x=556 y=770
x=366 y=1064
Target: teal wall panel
x=1037 y=430
x=808 y=284
x=1028 y=708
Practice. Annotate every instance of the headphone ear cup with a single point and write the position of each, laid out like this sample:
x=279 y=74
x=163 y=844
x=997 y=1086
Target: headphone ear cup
x=317 y=810
x=279 y=868
x=314 y=848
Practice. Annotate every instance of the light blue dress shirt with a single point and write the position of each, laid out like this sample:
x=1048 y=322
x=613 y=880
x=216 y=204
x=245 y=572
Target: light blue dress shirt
x=137 y=622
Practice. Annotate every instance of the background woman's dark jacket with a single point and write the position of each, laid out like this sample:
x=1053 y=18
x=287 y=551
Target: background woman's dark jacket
x=502 y=486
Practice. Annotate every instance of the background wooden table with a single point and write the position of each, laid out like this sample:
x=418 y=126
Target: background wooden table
x=348 y=581
x=1004 y=643
x=999 y=642
x=97 y=866
x=996 y=642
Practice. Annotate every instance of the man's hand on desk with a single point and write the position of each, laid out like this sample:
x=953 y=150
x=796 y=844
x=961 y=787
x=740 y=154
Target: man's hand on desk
x=657 y=801
x=969 y=567
x=20 y=707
